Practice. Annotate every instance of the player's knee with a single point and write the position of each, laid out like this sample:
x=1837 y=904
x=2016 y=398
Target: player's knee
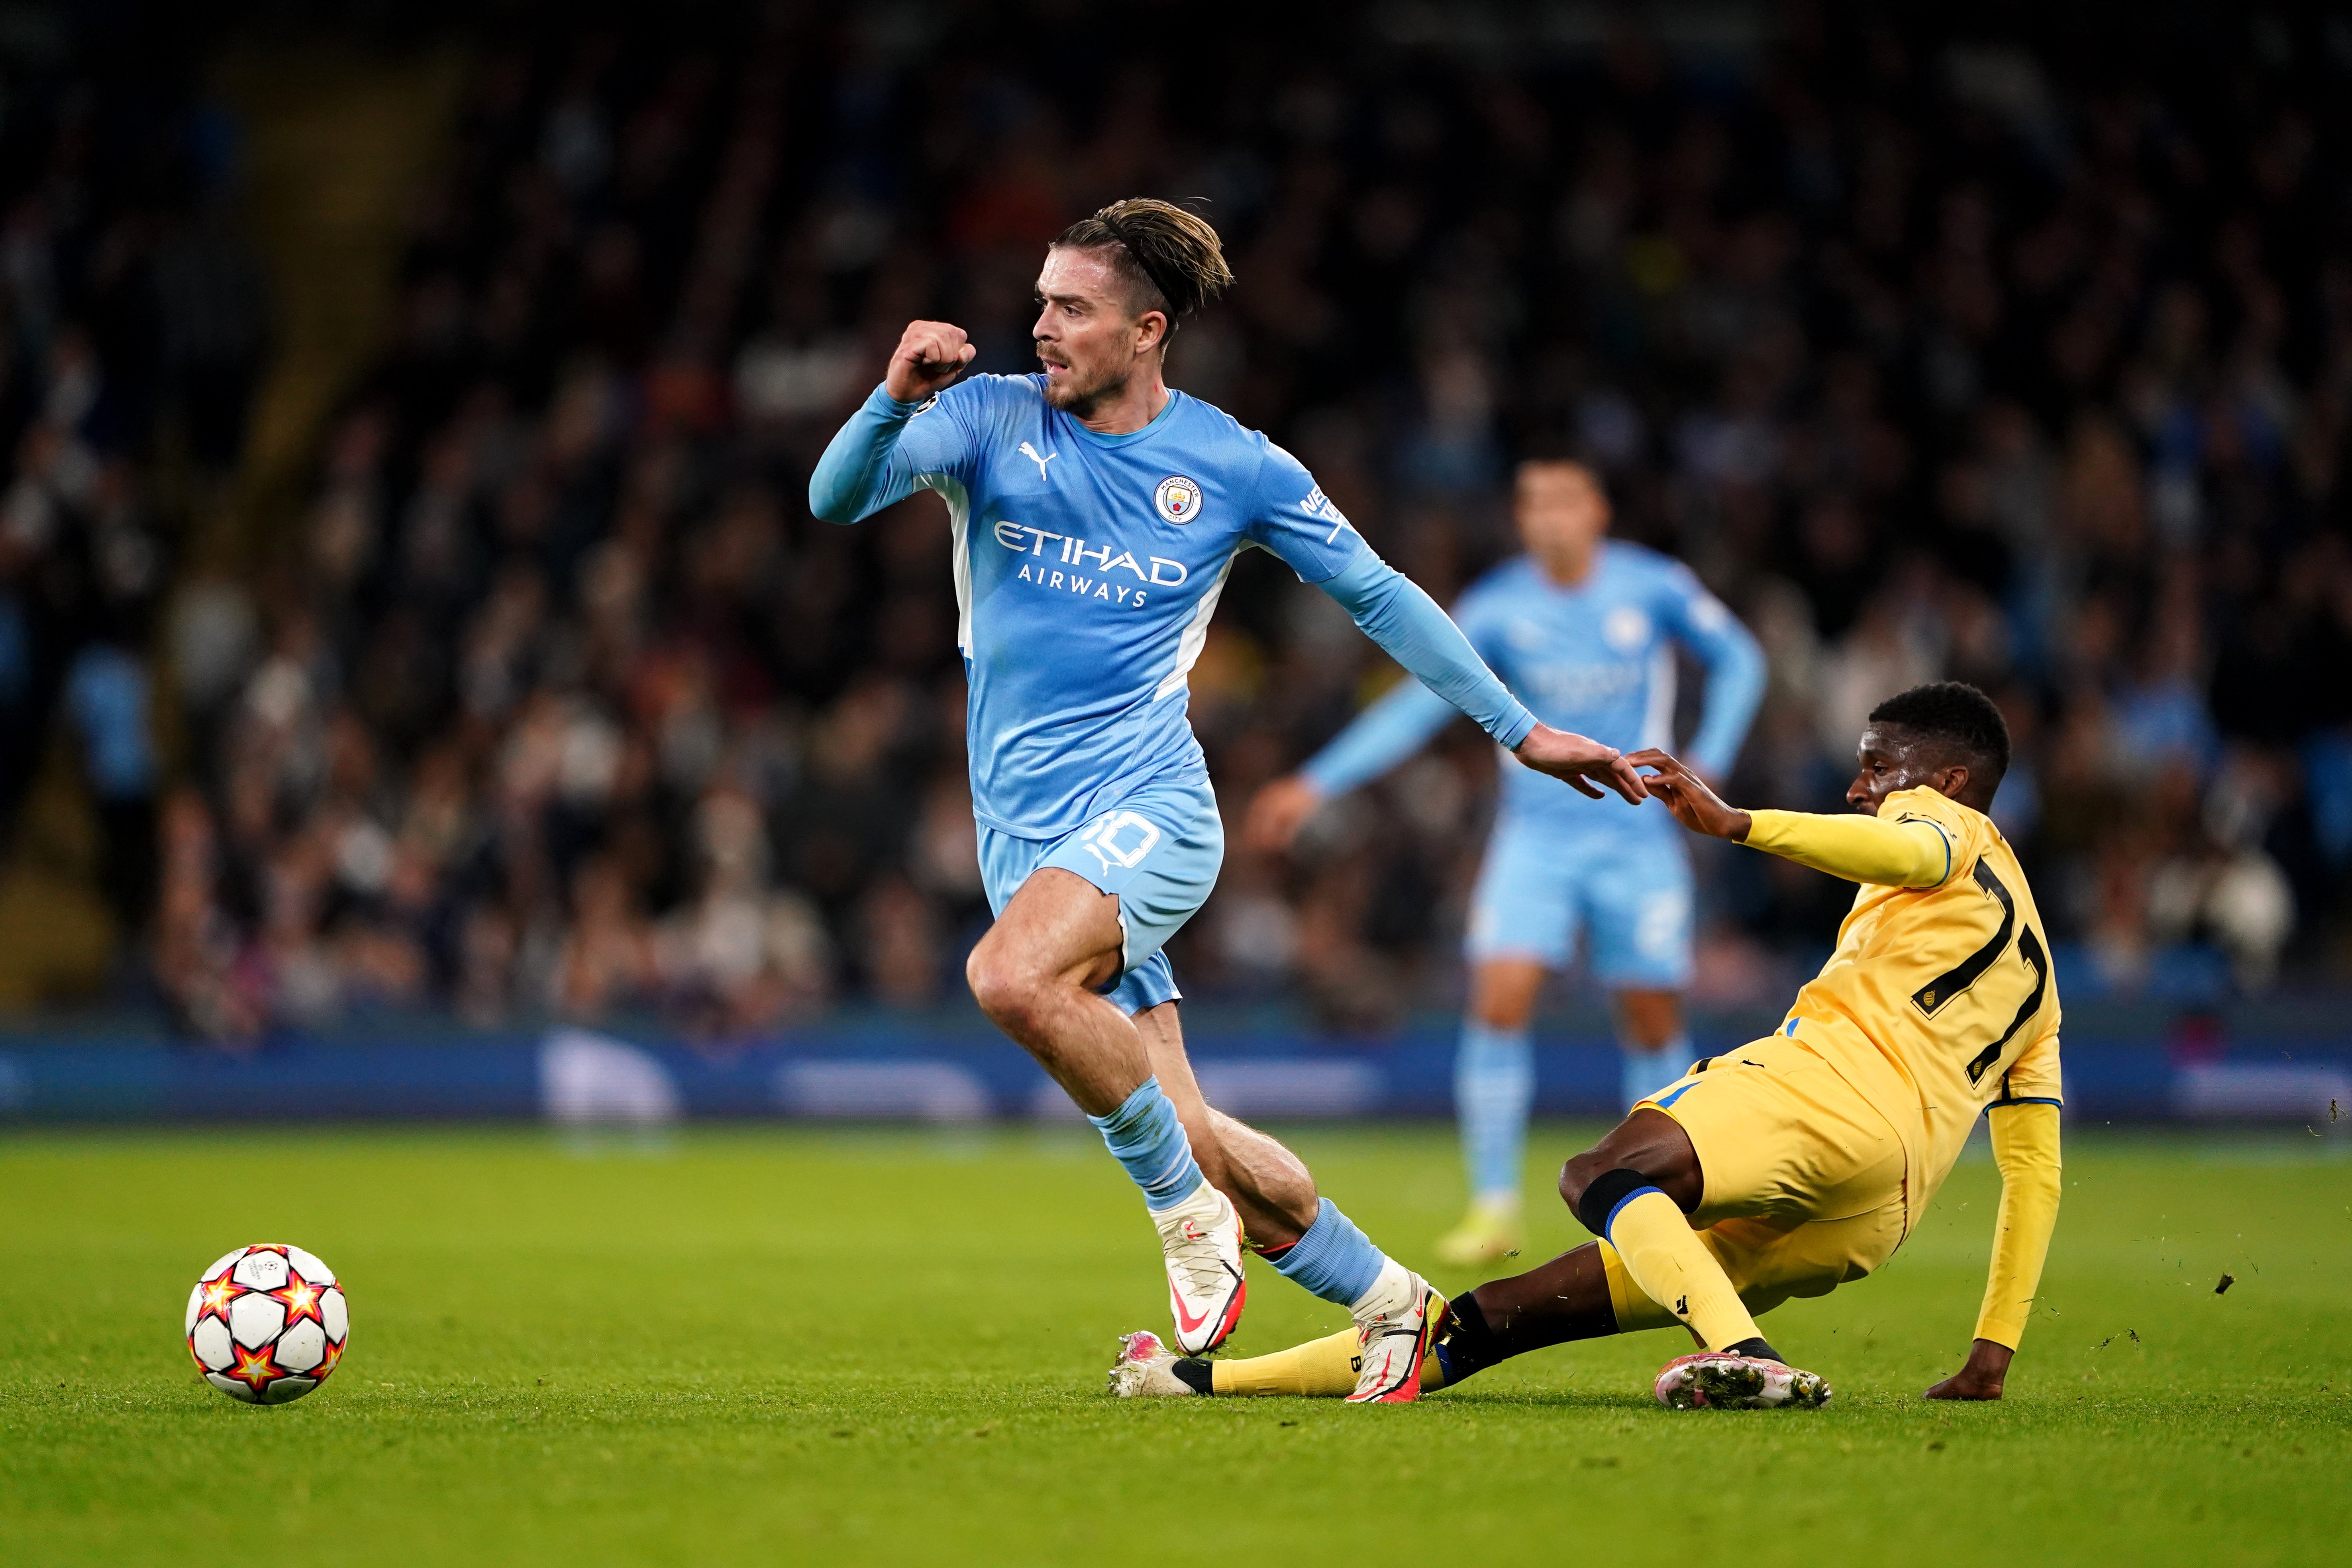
x=1592 y=1185
x=1007 y=988
x=1575 y=1176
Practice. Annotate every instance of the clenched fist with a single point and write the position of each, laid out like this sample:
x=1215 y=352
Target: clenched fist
x=929 y=355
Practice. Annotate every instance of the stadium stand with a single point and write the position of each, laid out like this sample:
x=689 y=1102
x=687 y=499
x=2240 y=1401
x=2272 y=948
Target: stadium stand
x=2006 y=361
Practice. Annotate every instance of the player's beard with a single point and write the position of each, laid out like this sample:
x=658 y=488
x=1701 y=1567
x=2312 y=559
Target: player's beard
x=1077 y=394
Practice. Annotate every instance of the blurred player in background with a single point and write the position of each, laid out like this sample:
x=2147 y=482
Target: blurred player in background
x=1095 y=515
x=1799 y=1161
x=1582 y=629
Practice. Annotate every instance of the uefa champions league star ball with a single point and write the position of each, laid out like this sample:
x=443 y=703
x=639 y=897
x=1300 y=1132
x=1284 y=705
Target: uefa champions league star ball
x=268 y=1323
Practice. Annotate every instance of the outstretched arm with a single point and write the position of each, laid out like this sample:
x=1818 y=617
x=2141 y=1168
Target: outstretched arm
x=865 y=466
x=1394 y=613
x=1407 y=623
x=1911 y=853
x=2025 y=1148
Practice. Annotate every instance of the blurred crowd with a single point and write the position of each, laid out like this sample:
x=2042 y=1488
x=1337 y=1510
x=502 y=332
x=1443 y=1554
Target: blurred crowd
x=134 y=324
x=2025 y=363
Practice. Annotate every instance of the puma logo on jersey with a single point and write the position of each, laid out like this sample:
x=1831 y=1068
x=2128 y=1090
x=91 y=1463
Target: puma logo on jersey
x=1031 y=452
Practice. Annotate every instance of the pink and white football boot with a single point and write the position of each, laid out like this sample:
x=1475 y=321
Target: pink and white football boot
x=1718 y=1380
x=1201 y=1241
x=1395 y=1324
x=1144 y=1369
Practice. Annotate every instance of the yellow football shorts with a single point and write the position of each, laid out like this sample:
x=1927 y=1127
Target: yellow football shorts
x=1804 y=1187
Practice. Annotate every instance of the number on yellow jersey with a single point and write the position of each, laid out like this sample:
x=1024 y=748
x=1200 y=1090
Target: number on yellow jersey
x=1931 y=997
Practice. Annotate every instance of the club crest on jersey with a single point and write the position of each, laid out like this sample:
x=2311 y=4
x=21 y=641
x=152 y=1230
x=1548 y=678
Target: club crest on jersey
x=1178 y=499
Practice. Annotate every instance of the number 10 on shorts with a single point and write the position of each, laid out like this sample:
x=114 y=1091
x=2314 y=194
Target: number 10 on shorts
x=1120 y=838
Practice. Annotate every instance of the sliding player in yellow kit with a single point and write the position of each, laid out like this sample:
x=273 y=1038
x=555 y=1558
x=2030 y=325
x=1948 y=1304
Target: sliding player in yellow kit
x=1799 y=1161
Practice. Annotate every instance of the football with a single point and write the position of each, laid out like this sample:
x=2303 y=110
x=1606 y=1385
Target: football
x=268 y=1323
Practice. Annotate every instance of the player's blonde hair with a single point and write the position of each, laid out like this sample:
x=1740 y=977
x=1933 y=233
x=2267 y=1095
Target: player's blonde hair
x=1172 y=256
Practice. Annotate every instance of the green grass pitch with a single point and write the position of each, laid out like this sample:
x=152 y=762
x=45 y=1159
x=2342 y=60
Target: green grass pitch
x=800 y=1346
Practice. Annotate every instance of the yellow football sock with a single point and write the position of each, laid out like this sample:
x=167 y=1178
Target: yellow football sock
x=1633 y=1311
x=1324 y=1367
x=1665 y=1258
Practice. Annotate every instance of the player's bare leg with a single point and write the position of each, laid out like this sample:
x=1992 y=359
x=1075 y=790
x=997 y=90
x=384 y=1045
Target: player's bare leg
x=1275 y=1195
x=1035 y=974
x=1636 y=1189
x=1649 y=1142
x=1269 y=1185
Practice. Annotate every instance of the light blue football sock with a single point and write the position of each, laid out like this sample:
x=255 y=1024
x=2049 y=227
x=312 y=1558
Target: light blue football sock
x=1494 y=1088
x=1646 y=1072
x=1333 y=1259
x=1144 y=1135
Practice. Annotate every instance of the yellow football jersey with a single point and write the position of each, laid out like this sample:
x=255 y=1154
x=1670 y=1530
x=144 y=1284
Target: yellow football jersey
x=1939 y=1001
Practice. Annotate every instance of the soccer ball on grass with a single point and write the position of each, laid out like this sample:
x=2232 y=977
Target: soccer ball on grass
x=268 y=1323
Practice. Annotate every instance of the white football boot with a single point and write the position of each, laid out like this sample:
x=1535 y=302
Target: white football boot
x=1145 y=1369
x=1717 y=1380
x=1396 y=1320
x=1201 y=1241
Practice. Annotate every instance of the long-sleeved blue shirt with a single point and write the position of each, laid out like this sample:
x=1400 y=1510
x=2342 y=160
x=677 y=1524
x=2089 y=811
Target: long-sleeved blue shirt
x=1087 y=569
x=1597 y=660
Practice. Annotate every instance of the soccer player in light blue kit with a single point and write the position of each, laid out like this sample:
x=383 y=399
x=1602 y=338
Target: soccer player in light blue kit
x=1094 y=517
x=1582 y=629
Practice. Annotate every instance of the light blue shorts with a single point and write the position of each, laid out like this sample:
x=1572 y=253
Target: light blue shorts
x=1158 y=851
x=1629 y=892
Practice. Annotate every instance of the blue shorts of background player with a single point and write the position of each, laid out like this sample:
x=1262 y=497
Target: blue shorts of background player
x=1627 y=895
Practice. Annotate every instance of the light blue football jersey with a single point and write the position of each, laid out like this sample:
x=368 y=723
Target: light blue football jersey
x=1087 y=569
x=1597 y=658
